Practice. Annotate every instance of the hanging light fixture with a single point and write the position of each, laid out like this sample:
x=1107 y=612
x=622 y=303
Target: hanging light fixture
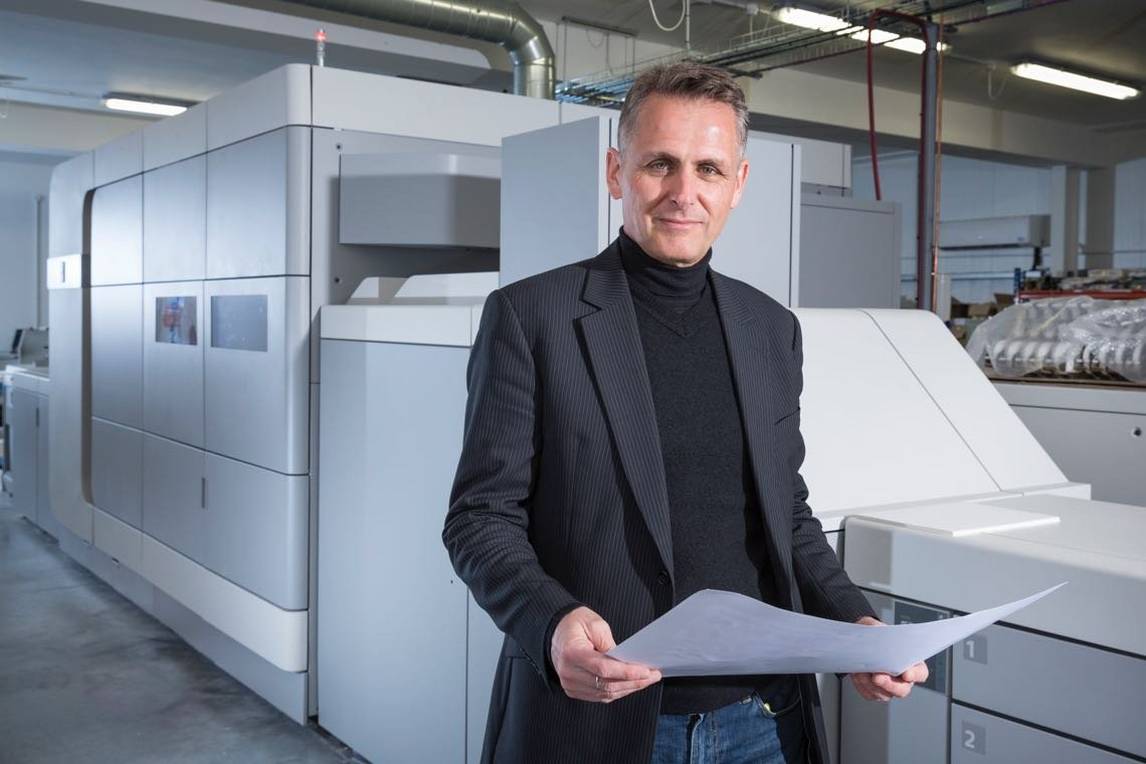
x=1064 y=79
x=140 y=104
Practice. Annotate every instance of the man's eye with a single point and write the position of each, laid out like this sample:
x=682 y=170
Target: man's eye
x=708 y=169
x=658 y=164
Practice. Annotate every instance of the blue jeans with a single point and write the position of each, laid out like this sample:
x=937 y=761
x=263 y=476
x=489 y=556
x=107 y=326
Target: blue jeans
x=746 y=731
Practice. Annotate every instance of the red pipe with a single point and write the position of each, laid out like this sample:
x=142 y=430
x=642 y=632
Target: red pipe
x=920 y=276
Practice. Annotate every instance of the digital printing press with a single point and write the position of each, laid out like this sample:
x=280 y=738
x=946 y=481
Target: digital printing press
x=286 y=280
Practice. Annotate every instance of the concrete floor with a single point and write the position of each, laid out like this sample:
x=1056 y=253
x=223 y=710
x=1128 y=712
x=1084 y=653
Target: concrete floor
x=86 y=676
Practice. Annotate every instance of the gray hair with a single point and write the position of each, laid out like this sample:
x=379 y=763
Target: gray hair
x=685 y=79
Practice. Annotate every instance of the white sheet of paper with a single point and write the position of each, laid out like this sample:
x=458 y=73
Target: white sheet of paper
x=715 y=633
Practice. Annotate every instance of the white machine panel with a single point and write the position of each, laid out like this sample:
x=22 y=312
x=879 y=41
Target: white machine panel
x=175 y=138
x=70 y=183
x=1075 y=689
x=121 y=542
x=760 y=241
x=119 y=158
x=44 y=517
x=455 y=325
x=257 y=206
x=575 y=112
x=1095 y=434
x=874 y=436
x=984 y=420
x=175 y=221
x=358 y=101
x=117 y=233
x=117 y=471
x=117 y=353
x=257 y=366
x=23 y=424
x=1096 y=546
x=980 y=738
x=419 y=200
x=276 y=635
x=1105 y=449
x=257 y=530
x=174 y=495
x=67 y=310
x=571 y=220
x=849 y=252
x=278 y=98
x=173 y=361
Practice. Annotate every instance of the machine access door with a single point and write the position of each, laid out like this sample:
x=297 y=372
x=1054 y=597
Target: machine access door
x=257 y=384
x=173 y=361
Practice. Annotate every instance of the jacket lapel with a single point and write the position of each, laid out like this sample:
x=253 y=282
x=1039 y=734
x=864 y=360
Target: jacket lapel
x=617 y=357
x=751 y=348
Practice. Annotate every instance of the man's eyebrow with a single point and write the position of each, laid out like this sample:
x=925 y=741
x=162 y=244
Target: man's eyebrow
x=714 y=161
x=654 y=155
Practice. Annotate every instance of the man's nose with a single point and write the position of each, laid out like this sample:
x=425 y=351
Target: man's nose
x=682 y=190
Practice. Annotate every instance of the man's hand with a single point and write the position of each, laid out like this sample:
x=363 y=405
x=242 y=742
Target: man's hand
x=578 y=649
x=884 y=687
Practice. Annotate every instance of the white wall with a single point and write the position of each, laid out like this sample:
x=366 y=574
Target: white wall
x=1130 y=214
x=970 y=188
x=21 y=182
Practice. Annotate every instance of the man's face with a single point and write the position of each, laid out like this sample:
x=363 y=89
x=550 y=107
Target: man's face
x=680 y=174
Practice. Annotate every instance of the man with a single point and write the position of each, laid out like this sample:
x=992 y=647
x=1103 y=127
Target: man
x=632 y=436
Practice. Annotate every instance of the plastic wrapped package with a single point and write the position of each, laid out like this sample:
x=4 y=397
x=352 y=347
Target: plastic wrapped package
x=1113 y=338
x=1066 y=337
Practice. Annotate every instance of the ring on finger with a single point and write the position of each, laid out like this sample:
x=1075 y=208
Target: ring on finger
x=597 y=682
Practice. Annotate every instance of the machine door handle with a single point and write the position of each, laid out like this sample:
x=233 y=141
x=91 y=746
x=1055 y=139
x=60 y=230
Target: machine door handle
x=203 y=493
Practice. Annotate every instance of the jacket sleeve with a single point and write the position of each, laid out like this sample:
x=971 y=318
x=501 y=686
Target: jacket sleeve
x=824 y=586
x=487 y=527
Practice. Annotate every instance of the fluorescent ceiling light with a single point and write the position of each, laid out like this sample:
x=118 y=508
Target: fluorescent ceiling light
x=821 y=22
x=914 y=45
x=141 y=106
x=878 y=36
x=1066 y=79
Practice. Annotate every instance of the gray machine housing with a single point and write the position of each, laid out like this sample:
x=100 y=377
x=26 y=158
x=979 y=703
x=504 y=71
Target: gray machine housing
x=189 y=261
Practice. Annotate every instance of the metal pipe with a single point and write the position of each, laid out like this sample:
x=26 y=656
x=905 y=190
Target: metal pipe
x=499 y=21
x=926 y=262
x=927 y=253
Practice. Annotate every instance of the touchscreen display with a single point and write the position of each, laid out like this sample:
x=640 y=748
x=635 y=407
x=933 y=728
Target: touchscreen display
x=175 y=320
x=239 y=322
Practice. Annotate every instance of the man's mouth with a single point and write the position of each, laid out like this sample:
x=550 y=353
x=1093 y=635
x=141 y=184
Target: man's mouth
x=677 y=224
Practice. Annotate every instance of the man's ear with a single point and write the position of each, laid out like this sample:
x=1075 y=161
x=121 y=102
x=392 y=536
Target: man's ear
x=741 y=179
x=613 y=172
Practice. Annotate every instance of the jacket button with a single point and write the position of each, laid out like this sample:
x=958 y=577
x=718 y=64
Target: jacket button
x=663 y=577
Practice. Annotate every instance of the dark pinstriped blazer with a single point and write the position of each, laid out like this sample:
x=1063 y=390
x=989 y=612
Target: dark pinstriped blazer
x=560 y=495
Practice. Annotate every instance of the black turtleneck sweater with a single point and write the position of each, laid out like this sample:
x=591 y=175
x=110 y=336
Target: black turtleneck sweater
x=717 y=528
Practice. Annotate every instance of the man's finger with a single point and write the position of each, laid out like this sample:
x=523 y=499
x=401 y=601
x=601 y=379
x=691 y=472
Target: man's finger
x=891 y=685
x=868 y=689
x=625 y=686
x=615 y=684
x=596 y=664
x=916 y=674
x=601 y=635
x=582 y=686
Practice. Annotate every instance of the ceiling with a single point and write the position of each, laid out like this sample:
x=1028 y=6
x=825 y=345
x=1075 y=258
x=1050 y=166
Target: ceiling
x=1102 y=37
x=70 y=52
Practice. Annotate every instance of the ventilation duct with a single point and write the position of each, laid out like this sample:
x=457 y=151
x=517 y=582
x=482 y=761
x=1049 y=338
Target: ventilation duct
x=499 y=21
